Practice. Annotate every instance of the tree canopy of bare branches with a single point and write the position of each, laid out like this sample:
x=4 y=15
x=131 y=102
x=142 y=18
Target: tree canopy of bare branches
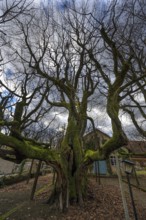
x=60 y=60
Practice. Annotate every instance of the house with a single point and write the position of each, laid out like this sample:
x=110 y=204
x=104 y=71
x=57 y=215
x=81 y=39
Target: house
x=9 y=168
x=137 y=149
x=6 y=167
x=94 y=139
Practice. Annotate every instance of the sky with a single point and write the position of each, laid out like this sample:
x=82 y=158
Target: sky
x=101 y=119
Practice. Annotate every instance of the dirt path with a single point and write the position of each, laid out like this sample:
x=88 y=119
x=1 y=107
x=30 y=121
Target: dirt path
x=16 y=199
x=104 y=202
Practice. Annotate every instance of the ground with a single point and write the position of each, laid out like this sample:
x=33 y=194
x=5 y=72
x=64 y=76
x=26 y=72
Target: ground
x=103 y=203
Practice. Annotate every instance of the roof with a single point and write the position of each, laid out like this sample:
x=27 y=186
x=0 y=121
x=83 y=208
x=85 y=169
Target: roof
x=99 y=132
x=137 y=147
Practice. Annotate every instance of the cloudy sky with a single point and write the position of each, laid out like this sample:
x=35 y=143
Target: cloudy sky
x=99 y=115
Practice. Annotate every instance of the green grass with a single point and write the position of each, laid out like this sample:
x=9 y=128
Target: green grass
x=141 y=172
x=11 y=211
x=42 y=189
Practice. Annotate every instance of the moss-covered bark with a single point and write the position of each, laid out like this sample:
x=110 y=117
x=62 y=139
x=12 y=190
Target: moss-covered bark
x=29 y=150
x=72 y=157
x=71 y=178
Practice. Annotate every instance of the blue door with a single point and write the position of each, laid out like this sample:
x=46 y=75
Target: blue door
x=102 y=167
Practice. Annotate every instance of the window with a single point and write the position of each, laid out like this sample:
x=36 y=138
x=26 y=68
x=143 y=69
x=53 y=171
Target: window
x=113 y=160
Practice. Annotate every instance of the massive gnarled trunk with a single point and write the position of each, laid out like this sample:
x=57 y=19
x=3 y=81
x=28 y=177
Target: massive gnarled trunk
x=71 y=178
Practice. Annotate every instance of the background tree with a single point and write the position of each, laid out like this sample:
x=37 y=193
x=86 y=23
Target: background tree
x=134 y=98
x=9 y=10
